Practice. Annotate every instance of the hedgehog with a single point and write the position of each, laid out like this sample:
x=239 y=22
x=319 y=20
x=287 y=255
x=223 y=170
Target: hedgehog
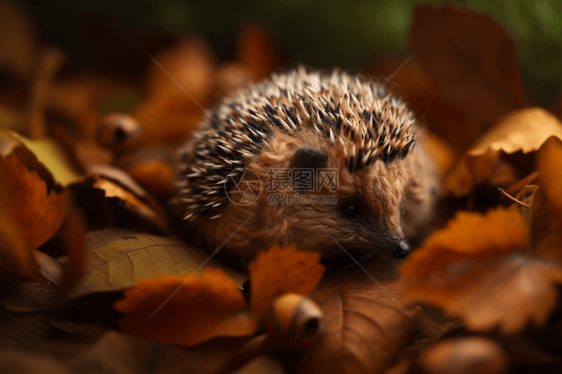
x=320 y=160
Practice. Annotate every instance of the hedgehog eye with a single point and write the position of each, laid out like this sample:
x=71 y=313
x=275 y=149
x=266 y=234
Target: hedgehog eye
x=350 y=209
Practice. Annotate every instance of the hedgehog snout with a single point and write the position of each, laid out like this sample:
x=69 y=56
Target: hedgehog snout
x=400 y=250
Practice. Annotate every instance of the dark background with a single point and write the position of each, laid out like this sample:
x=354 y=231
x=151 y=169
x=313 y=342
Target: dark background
x=351 y=34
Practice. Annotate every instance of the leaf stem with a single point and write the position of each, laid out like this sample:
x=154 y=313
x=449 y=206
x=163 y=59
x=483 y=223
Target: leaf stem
x=512 y=198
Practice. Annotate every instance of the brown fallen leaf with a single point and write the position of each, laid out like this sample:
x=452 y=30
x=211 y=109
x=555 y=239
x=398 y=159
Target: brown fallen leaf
x=517 y=186
x=464 y=356
x=468 y=236
x=15 y=255
x=207 y=306
x=38 y=214
x=546 y=209
x=280 y=271
x=119 y=258
x=132 y=203
x=471 y=58
x=479 y=269
x=506 y=291
x=365 y=327
x=523 y=130
x=117 y=184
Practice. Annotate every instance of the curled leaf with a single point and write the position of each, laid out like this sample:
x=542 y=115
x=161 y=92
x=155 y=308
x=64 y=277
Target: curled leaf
x=523 y=130
x=205 y=307
x=279 y=271
x=468 y=236
x=41 y=155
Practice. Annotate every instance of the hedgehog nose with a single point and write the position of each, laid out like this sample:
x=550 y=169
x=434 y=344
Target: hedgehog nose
x=401 y=250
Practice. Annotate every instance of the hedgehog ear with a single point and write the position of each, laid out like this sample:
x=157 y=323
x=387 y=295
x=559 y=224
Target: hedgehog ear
x=309 y=157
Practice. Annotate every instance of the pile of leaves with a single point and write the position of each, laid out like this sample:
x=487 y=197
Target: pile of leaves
x=99 y=276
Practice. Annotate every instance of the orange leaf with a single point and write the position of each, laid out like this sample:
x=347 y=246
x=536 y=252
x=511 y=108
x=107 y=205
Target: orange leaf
x=39 y=215
x=208 y=306
x=546 y=216
x=468 y=236
x=279 y=271
x=505 y=291
x=472 y=59
x=523 y=130
x=15 y=255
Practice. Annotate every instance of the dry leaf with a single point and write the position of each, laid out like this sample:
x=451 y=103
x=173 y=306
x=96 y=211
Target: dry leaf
x=546 y=210
x=476 y=269
x=42 y=155
x=506 y=291
x=208 y=306
x=471 y=58
x=517 y=186
x=523 y=130
x=38 y=214
x=119 y=258
x=15 y=256
x=365 y=328
x=279 y=271
x=464 y=356
x=133 y=204
x=468 y=236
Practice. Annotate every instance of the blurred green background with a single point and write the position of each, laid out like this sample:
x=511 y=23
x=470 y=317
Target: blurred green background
x=351 y=34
